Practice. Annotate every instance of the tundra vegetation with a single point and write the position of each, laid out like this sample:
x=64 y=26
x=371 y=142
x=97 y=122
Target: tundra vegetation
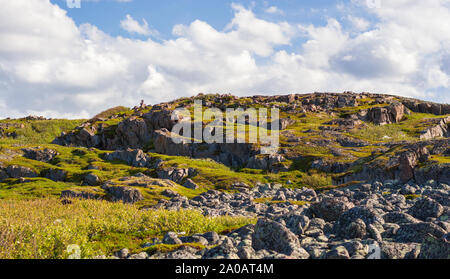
x=117 y=181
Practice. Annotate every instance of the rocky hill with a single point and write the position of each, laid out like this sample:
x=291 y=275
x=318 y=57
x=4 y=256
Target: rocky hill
x=352 y=172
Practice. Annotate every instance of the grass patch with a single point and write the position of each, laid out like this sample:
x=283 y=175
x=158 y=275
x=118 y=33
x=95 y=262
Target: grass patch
x=38 y=131
x=43 y=228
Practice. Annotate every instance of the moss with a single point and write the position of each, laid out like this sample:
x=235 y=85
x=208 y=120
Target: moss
x=412 y=196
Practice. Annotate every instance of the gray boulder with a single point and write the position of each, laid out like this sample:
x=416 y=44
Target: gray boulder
x=425 y=208
x=171 y=238
x=92 y=179
x=56 y=174
x=274 y=236
x=124 y=194
x=434 y=248
x=133 y=157
x=45 y=155
x=418 y=232
x=330 y=209
x=20 y=171
x=190 y=184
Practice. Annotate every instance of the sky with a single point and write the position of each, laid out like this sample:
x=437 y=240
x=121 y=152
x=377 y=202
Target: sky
x=70 y=59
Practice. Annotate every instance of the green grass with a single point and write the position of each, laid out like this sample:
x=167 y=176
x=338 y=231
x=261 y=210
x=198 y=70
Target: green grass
x=38 y=131
x=112 y=112
x=408 y=129
x=44 y=228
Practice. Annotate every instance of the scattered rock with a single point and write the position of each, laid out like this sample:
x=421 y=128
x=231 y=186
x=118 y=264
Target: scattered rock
x=124 y=194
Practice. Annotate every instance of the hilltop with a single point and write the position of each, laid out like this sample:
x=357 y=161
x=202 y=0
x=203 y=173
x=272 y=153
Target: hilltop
x=350 y=166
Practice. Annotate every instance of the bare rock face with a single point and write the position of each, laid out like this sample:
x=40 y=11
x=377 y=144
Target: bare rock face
x=265 y=162
x=409 y=160
x=386 y=115
x=45 y=155
x=20 y=171
x=442 y=129
x=133 y=132
x=164 y=144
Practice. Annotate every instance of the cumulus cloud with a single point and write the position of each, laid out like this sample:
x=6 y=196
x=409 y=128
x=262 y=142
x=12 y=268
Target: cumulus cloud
x=51 y=66
x=132 y=26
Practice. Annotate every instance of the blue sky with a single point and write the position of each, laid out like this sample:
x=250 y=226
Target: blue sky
x=58 y=61
x=163 y=15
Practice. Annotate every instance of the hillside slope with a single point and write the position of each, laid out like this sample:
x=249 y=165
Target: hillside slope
x=340 y=154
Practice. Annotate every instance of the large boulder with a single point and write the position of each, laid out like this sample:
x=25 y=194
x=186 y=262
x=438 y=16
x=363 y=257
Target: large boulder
x=124 y=194
x=45 y=155
x=174 y=174
x=331 y=208
x=274 y=236
x=392 y=250
x=92 y=179
x=133 y=157
x=350 y=223
x=386 y=115
x=426 y=207
x=418 y=232
x=56 y=174
x=434 y=248
x=225 y=250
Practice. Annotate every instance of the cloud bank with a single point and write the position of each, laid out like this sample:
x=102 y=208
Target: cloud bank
x=50 y=66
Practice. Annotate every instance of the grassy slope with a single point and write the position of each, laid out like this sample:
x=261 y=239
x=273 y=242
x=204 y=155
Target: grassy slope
x=31 y=208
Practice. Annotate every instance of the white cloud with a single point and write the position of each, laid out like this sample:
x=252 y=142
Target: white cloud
x=274 y=10
x=50 y=66
x=360 y=24
x=132 y=26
